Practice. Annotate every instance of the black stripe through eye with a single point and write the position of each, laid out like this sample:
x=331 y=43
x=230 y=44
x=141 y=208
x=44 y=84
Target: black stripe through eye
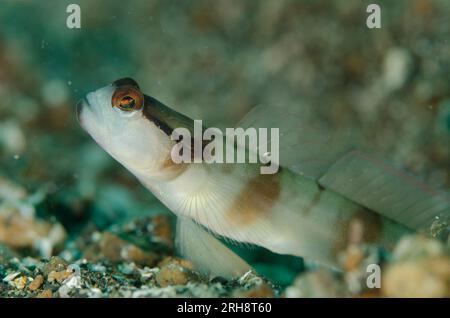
x=126 y=81
x=151 y=113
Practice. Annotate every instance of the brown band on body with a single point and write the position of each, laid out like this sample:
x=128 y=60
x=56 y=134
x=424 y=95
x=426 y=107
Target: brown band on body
x=173 y=169
x=256 y=199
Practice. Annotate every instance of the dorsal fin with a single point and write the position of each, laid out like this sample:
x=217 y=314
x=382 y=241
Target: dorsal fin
x=307 y=145
x=386 y=190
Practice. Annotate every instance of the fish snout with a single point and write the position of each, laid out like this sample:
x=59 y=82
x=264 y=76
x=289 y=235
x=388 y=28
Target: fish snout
x=79 y=109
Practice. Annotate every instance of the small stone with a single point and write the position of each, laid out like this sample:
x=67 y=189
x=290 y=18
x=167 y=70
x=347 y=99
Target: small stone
x=20 y=282
x=117 y=250
x=174 y=274
x=174 y=260
x=147 y=273
x=417 y=246
x=59 y=276
x=424 y=278
x=250 y=279
x=45 y=294
x=127 y=269
x=20 y=231
x=440 y=229
x=74 y=282
x=219 y=280
x=420 y=268
x=54 y=264
x=10 y=277
x=97 y=268
x=36 y=283
x=74 y=269
x=135 y=254
x=261 y=291
x=95 y=293
x=251 y=285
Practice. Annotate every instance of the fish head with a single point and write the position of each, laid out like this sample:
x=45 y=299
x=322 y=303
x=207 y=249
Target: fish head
x=116 y=117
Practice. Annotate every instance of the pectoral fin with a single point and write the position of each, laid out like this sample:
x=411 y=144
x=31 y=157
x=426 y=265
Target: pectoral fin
x=206 y=252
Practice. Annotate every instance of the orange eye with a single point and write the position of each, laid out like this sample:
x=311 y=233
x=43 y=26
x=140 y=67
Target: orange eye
x=127 y=98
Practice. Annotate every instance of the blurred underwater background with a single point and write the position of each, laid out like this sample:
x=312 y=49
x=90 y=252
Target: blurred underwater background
x=74 y=223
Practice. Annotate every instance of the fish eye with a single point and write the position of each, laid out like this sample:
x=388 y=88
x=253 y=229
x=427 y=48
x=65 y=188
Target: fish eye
x=127 y=98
